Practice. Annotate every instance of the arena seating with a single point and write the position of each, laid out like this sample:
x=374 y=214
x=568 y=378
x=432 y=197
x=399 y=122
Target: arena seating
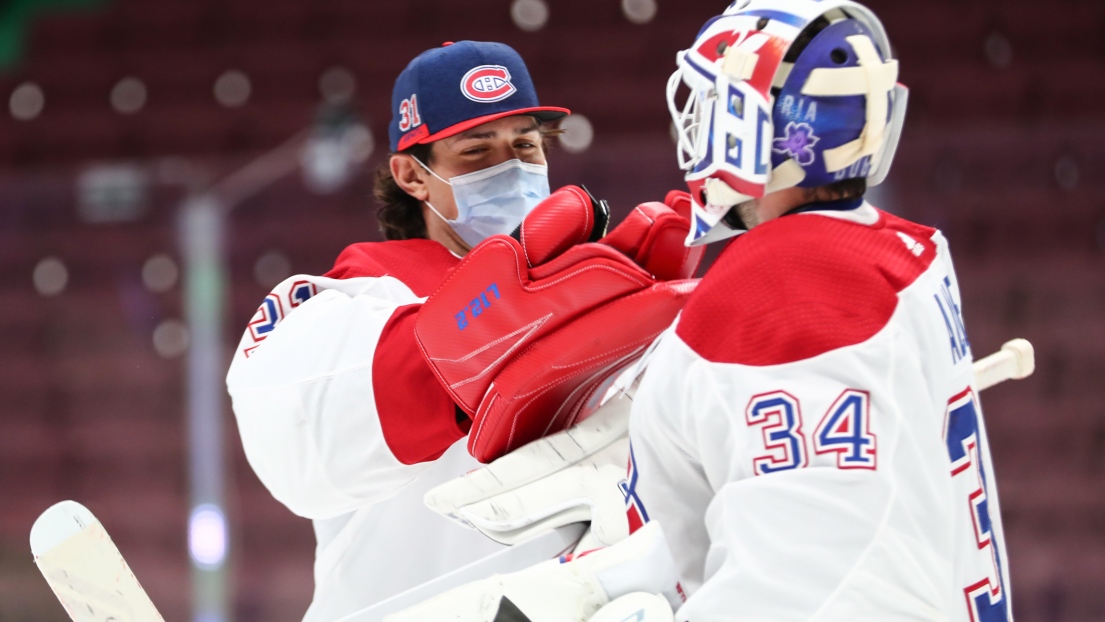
x=1003 y=150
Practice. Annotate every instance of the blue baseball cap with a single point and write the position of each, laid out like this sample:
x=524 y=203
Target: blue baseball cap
x=453 y=88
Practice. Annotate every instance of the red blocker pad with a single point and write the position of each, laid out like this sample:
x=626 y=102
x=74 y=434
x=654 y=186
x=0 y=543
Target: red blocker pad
x=564 y=219
x=652 y=235
x=559 y=380
x=680 y=201
x=493 y=306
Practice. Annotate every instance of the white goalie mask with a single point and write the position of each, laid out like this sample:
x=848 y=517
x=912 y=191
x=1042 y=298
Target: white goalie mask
x=758 y=120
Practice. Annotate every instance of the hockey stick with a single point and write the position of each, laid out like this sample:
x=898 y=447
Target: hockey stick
x=89 y=576
x=1014 y=361
x=84 y=568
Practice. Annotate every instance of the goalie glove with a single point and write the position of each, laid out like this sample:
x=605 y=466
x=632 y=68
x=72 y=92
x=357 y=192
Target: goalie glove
x=525 y=334
x=568 y=477
x=652 y=235
x=567 y=217
x=572 y=588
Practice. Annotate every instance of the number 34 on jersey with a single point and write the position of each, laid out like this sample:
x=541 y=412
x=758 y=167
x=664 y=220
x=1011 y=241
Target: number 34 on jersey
x=844 y=430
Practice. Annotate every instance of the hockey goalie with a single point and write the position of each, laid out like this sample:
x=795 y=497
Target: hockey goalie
x=806 y=441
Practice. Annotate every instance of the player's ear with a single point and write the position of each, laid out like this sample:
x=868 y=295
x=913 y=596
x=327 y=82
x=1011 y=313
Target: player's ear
x=409 y=175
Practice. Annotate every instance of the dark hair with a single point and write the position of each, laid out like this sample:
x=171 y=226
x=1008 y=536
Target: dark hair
x=844 y=189
x=400 y=214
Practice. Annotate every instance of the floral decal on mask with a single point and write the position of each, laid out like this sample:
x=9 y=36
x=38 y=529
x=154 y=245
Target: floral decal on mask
x=798 y=143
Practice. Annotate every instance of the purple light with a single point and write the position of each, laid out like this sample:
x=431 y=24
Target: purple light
x=207 y=536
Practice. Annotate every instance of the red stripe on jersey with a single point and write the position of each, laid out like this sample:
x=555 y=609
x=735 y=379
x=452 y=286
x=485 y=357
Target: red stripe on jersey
x=417 y=416
x=634 y=517
x=802 y=285
x=420 y=264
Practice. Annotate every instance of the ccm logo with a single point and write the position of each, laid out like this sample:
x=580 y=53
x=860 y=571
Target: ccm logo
x=487 y=83
x=478 y=305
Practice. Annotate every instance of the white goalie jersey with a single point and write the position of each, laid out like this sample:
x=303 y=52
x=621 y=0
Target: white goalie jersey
x=809 y=435
x=344 y=423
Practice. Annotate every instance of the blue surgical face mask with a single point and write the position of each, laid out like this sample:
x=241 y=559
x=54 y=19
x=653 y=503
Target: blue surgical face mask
x=494 y=200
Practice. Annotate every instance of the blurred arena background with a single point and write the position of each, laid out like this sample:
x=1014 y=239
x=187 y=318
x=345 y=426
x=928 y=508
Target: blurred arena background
x=125 y=116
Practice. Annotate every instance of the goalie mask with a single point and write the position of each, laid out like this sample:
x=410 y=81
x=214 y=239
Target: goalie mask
x=760 y=118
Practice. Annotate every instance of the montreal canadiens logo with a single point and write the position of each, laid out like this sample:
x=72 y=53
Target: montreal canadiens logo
x=487 y=83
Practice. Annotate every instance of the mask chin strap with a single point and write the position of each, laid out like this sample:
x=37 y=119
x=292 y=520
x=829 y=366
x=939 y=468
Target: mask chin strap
x=873 y=78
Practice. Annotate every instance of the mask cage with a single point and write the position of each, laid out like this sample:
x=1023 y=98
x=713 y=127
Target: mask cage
x=691 y=120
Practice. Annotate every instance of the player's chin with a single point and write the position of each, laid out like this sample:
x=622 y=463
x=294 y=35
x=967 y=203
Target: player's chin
x=744 y=215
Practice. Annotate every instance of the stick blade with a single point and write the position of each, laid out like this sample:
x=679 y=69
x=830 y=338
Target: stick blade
x=85 y=569
x=57 y=524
